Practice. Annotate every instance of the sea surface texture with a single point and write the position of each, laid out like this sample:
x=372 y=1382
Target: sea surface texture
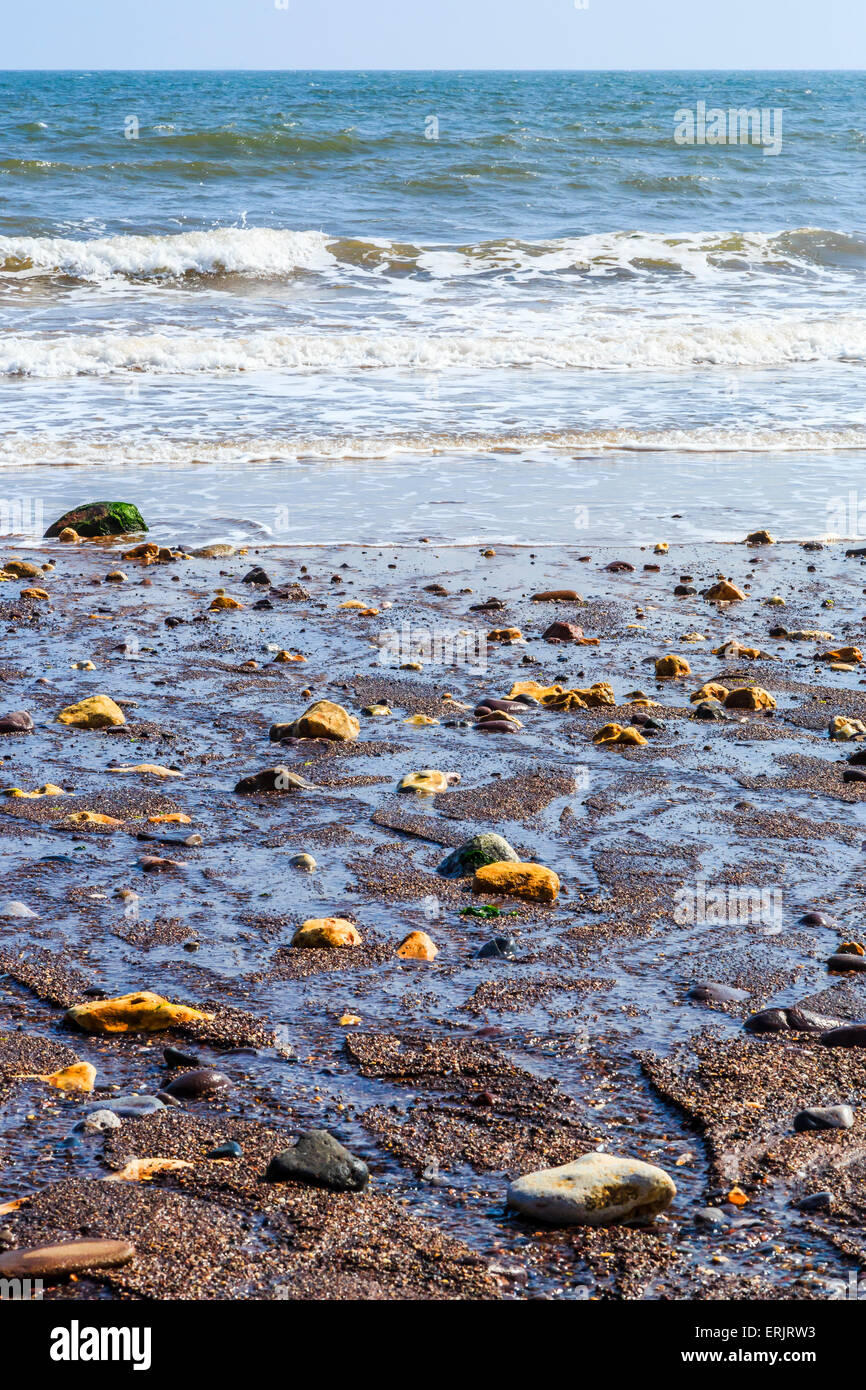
x=362 y=306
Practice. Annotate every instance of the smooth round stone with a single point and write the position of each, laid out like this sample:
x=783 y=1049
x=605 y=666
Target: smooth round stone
x=816 y=1201
x=500 y=948
x=717 y=994
x=487 y=848
x=824 y=1117
x=231 y=1149
x=69 y=1257
x=854 y=1035
x=18 y=721
x=598 y=1189
x=320 y=1160
x=98 y=1122
x=842 y=962
x=854 y=774
x=768 y=1021
x=193 y=1085
x=173 y=1058
x=815 y=919
x=712 y=1216
x=130 y=1107
x=306 y=862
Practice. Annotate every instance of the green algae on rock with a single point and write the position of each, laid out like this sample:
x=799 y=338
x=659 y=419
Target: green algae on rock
x=100 y=519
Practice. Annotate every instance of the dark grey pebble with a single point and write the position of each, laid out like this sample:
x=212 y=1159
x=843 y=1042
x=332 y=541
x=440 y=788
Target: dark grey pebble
x=500 y=948
x=228 y=1150
x=173 y=1058
x=842 y=961
x=18 y=721
x=320 y=1160
x=192 y=1085
x=717 y=994
x=854 y=1035
x=816 y=1201
x=815 y=919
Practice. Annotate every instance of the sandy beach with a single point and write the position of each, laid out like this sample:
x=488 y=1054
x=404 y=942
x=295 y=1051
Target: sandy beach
x=716 y=846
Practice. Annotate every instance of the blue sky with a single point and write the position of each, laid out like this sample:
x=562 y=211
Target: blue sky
x=434 y=34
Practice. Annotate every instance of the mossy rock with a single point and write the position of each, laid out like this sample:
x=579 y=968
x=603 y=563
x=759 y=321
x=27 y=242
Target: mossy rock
x=100 y=519
x=486 y=848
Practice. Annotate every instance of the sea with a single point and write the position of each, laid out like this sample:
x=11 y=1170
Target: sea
x=539 y=308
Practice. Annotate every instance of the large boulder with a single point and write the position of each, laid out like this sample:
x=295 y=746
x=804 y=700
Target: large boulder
x=100 y=519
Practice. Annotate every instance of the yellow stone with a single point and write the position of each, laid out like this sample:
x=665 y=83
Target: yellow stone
x=327 y=932
x=733 y=649
x=505 y=634
x=144 y=1169
x=846 y=654
x=425 y=783
x=842 y=729
x=83 y=666
x=324 y=719
x=376 y=711
x=223 y=601
x=662 y=548
x=669 y=668
x=533 y=882
x=91 y=818
x=97 y=712
x=69 y=535
x=155 y=769
x=147 y=551
x=174 y=818
x=21 y=569
x=420 y=719
x=724 y=592
x=141 y=1012
x=283 y=657
x=41 y=595
x=79 y=1077
x=349 y=1020
x=618 y=733
x=48 y=790
x=417 y=946
x=749 y=697
x=711 y=690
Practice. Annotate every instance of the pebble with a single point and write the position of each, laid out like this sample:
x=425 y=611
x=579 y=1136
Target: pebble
x=68 y=1257
x=598 y=1189
x=853 y=1035
x=17 y=721
x=824 y=1117
x=98 y=1122
x=417 y=946
x=320 y=1160
x=194 y=1085
x=273 y=779
x=500 y=948
x=816 y=1201
x=16 y=909
x=231 y=1149
x=486 y=848
x=842 y=962
x=306 y=862
x=129 y=1107
x=717 y=994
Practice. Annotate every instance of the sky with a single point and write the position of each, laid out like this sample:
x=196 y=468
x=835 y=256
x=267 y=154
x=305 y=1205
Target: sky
x=280 y=34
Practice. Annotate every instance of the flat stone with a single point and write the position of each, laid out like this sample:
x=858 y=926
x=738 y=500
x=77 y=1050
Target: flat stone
x=824 y=1117
x=98 y=1122
x=598 y=1189
x=69 y=1257
x=717 y=994
x=17 y=910
x=321 y=1161
x=130 y=1107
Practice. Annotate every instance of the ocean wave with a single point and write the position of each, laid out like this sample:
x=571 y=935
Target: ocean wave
x=107 y=451
x=226 y=250
x=609 y=343
x=274 y=252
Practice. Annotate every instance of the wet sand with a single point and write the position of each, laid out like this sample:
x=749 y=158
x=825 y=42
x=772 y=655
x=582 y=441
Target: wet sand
x=462 y=1072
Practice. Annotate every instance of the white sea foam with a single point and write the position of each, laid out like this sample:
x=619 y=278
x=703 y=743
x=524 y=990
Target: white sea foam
x=612 y=343
x=122 y=451
x=275 y=252
x=227 y=250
